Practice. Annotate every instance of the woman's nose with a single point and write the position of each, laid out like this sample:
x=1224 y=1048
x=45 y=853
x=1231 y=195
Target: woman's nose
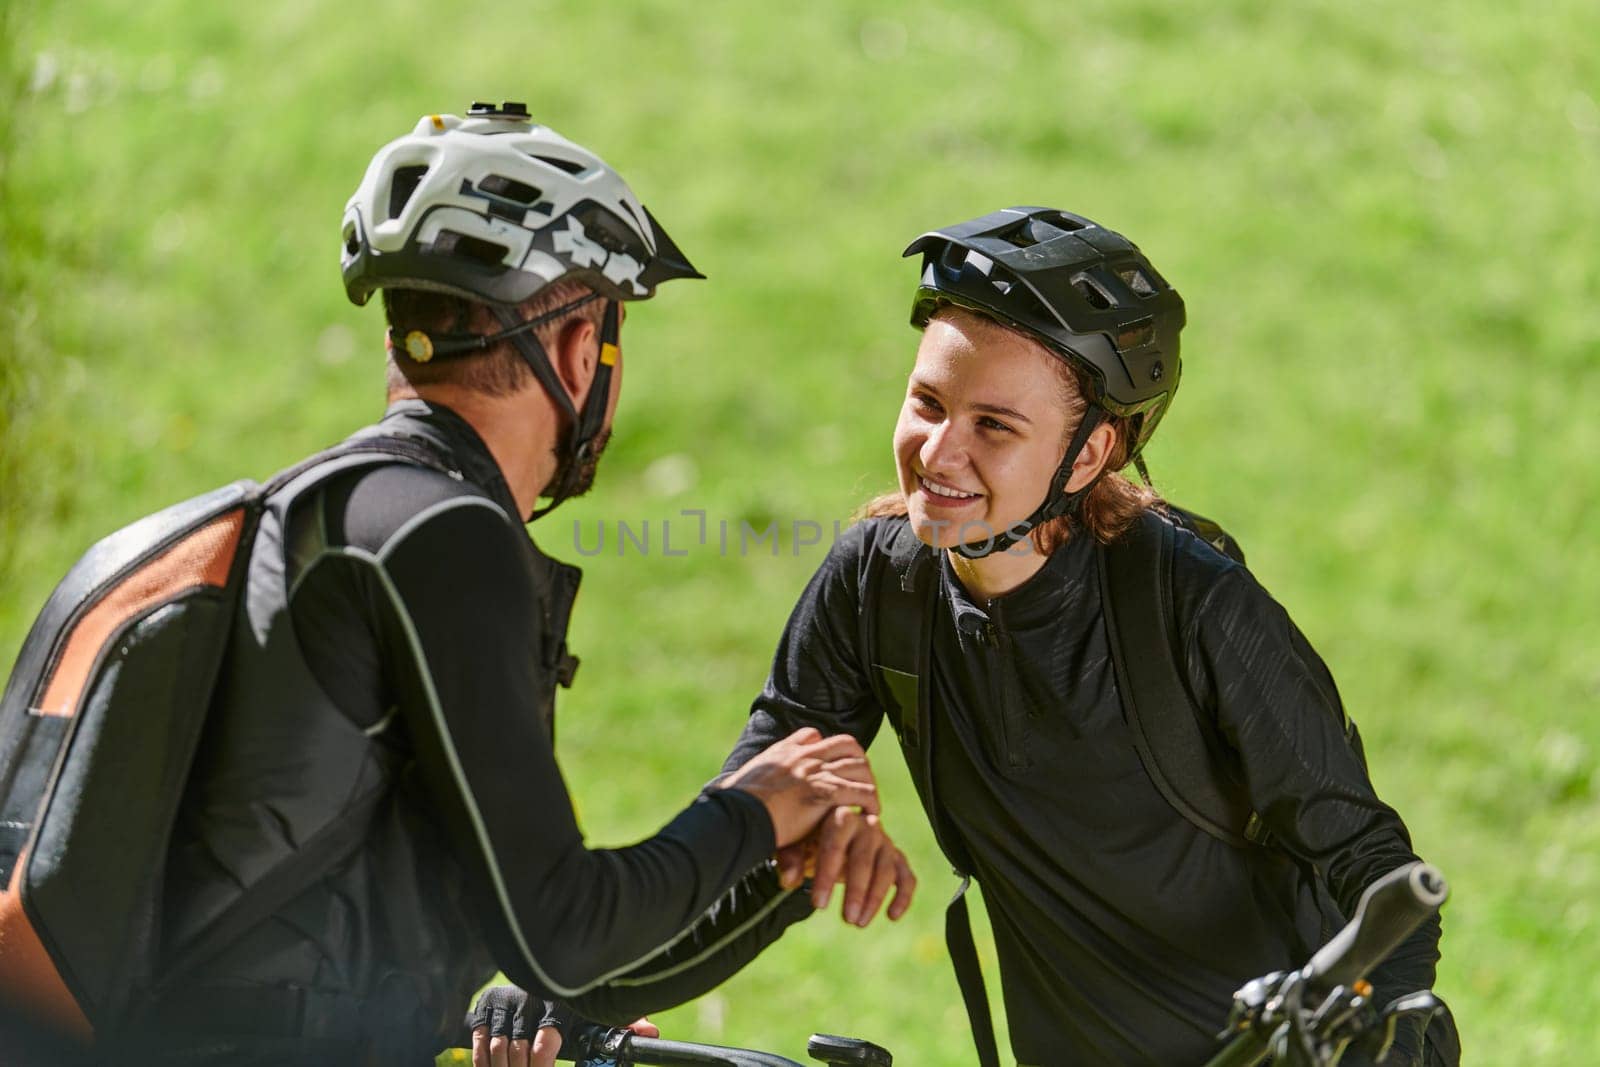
x=944 y=449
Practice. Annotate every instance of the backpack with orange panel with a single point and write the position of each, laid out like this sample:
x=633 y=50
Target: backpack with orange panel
x=98 y=727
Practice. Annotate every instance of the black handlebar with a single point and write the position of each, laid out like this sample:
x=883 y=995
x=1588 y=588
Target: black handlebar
x=591 y=1041
x=1390 y=910
x=600 y=1042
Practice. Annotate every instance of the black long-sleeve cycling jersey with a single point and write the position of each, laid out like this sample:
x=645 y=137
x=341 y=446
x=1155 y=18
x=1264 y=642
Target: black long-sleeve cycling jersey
x=401 y=646
x=1122 y=930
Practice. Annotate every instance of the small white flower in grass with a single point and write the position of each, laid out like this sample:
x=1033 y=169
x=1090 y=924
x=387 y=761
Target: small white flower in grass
x=670 y=475
x=336 y=344
x=46 y=69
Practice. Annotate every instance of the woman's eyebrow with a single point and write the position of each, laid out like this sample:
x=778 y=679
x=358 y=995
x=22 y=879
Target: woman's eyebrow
x=1004 y=412
x=923 y=385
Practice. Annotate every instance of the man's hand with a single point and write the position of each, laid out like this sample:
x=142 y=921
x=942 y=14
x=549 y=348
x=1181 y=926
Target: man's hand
x=500 y=1032
x=852 y=847
x=803 y=776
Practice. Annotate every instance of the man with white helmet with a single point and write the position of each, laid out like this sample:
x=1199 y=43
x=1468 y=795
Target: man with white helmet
x=376 y=821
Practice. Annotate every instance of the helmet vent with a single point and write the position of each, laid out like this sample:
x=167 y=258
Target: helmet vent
x=1091 y=291
x=1021 y=235
x=1136 y=335
x=465 y=246
x=406 y=180
x=644 y=227
x=1038 y=229
x=607 y=231
x=1062 y=221
x=510 y=189
x=953 y=257
x=1136 y=280
x=980 y=263
x=561 y=164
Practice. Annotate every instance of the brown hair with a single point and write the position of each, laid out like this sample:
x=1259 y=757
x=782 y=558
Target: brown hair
x=500 y=369
x=1113 y=503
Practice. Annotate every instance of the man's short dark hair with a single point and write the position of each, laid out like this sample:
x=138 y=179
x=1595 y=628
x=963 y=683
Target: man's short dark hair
x=498 y=371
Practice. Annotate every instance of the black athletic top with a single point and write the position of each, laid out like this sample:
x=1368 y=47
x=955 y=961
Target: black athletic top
x=1122 y=929
x=435 y=631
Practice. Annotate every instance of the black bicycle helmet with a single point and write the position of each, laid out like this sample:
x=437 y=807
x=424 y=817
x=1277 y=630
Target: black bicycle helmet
x=1087 y=293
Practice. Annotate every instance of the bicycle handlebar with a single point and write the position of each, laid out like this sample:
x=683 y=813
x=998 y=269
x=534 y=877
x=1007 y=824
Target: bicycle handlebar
x=601 y=1042
x=1390 y=910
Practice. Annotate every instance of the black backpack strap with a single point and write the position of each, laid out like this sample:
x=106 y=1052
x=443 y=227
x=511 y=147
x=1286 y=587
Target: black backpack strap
x=321 y=853
x=1136 y=595
x=370 y=442
x=897 y=612
x=900 y=593
x=969 y=976
x=1208 y=530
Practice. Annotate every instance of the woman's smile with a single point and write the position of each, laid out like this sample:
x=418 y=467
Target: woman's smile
x=942 y=495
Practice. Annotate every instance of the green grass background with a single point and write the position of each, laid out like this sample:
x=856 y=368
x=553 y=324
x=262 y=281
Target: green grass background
x=1383 y=218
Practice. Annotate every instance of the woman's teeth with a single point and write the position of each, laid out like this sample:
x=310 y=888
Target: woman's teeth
x=939 y=490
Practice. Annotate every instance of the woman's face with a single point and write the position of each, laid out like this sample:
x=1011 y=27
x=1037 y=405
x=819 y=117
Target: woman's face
x=981 y=432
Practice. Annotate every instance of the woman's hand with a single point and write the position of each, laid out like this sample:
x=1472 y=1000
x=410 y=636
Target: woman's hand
x=804 y=776
x=850 y=847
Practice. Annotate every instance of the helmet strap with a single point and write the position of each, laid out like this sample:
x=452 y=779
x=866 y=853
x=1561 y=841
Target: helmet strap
x=585 y=426
x=1057 y=501
x=455 y=344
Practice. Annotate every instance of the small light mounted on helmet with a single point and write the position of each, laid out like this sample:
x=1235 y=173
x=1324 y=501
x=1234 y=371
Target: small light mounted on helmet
x=515 y=110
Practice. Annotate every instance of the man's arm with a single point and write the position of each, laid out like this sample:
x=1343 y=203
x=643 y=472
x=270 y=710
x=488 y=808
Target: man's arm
x=460 y=621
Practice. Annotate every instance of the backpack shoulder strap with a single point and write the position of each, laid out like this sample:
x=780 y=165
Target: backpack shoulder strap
x=899 y=593
x=365 y=446
x=1136 y=595
x=897 y=616
x=1208 y=530
x=320 y=854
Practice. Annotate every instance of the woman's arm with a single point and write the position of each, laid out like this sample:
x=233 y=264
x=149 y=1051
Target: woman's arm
x=1276 y=703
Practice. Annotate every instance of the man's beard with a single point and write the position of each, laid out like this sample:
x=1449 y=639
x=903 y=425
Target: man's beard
x=584 y=471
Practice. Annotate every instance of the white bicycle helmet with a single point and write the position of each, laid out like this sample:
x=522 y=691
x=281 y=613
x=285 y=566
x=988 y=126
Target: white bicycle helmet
x=494 y=208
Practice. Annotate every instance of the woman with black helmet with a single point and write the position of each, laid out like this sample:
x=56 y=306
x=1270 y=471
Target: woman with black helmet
x=1112 y=727
x=1133 y=878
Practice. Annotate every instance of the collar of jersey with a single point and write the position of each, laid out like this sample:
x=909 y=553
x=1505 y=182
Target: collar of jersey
x=1058 y=587
x=455 y=438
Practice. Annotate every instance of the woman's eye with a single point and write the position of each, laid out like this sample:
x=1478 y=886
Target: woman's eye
x=928 y=403
x=994 y=424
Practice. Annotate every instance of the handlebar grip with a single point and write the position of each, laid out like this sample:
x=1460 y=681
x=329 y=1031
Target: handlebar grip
x=1390 y=909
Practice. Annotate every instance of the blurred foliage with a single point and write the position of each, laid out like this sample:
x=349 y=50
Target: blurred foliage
x=1382 y=218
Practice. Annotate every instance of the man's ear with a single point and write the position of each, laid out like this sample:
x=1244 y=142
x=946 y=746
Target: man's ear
x=577 y=350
